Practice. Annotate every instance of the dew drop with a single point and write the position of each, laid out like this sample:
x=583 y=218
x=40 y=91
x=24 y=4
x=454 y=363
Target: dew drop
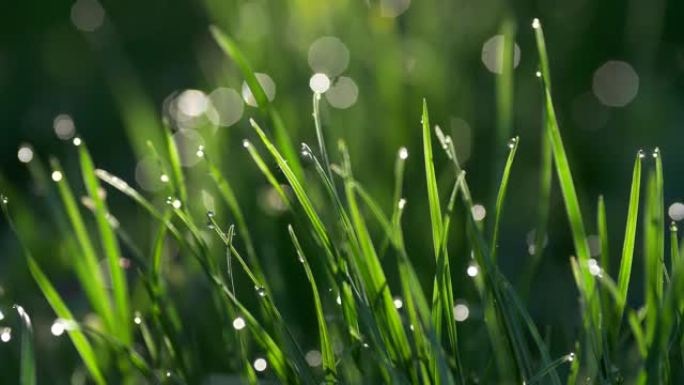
x=402 y=203
x=260 y=364
x=570 y=357
x=5 y=334
x=260 y=291
x=200 y=152
x=245 y=143
x=403 y=153
x=77 y=141
x=210 y=214
x=538 y=74
x=210 y=225
x=512 y=142
x=535 y=23
x=656 y=152
x=56 y=176
x=641 y=154
x=4 y=200
x=239 y=323
x=164 y=178
x=673 y=227
x=57 y=328
x=398 y=303
x=137 y=319
x=472 y=270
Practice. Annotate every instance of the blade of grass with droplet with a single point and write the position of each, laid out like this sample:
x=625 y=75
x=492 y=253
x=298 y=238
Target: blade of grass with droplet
x=86 y=265
x=259 y=161
x=504 y=312
x=81 y=344
x=27 y=364
x=654 y=247
x=109 y=244
x=513 y=145
x=299 y=192
x=326 y=344
x=374 y=276
x=628 y=245
x=176 y=169
x=674 y=248
x=602 y=226
x=443 y=299
x=561 y=160
x=231 y=49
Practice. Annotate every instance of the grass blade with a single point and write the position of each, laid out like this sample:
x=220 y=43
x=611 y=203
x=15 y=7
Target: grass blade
x=326 y=344
x=86 y=266
x=443 y=298
x=513 y=146
x=110 y=246
x=628 y=245
x=654 y=244
x=81 y=344
x=28 y=359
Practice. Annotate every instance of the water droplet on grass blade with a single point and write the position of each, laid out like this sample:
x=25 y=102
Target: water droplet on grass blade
x=239 y=323
x=260 y=364
x=472 y=270
x=535 y=23
x=260 y=291
x=398 y=303
x=319 y=83
x=570 y=357
x=56 y=176
x=5 y=334
x=403 y=153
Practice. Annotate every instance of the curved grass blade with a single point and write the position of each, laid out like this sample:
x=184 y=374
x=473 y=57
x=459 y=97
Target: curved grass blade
x=28 y=359
x=326 y=345
x=443 y=298
x=282 y=137
x=513 y=146
x=80 y=342
x=176 y=169
x=654 y=247
x=628 y=245
x=110 y=246
x=86 y=265
x=58 y=306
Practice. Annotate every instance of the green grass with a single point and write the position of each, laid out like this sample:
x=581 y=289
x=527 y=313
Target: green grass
x=382 y=324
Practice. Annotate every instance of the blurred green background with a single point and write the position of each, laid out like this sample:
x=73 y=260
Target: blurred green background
x=111 y=71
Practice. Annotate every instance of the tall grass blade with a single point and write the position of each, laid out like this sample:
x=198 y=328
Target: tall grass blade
x=326 y=344
x=110 y=246
x=86 y=265
x=501 y=196
x=28 y=359
x=443 y=298
x=628 y=245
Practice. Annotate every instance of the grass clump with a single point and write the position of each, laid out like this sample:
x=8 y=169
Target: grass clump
x=382 y=325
